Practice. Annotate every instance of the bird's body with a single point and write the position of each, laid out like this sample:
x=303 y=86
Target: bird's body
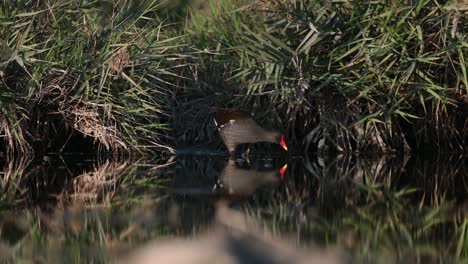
x=239 y=182
x=238 y=127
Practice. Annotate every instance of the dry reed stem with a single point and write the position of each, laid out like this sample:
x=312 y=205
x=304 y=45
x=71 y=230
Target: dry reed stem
x=86 y=119
x=119 y=61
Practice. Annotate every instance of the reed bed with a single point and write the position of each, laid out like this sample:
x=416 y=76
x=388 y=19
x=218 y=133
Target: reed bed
x=360 y=76
x=135 y=77
x=85 y=69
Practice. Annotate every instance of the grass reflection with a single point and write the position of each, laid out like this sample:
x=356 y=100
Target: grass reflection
x=387 y=209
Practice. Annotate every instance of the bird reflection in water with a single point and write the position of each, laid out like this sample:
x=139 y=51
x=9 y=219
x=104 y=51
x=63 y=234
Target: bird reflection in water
x=235 y=182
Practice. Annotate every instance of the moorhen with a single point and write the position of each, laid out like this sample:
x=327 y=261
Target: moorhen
x=238 y=127
x=236 y=182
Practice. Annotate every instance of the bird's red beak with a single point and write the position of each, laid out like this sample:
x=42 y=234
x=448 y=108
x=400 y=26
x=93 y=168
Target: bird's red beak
x=283 y=171
x=283 y=143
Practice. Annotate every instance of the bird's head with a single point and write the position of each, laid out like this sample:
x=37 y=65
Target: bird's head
x=282 y=142
x=283 y=171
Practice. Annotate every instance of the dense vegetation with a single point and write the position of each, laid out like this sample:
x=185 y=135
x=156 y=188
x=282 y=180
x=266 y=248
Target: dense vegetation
x=79 y=68
x=144 y=77
x=133 y=75
x=390 y=75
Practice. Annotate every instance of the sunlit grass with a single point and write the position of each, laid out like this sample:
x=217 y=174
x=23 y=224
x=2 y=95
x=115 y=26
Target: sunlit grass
x=101 y=69
x=361 y=76
x=384 y=76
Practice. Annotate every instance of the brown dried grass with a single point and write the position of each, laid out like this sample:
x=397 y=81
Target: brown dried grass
x=86 y=119
x=91 y=119
x=119 y=61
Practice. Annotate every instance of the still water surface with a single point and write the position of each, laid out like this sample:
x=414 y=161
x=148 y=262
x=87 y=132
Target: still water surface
x=343 y=209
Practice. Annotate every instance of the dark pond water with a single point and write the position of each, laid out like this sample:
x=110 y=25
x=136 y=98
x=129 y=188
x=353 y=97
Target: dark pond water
x=208 y=208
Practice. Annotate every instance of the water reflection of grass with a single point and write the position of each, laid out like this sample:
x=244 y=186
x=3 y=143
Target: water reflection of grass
x=12 y=174
x=115 y=75
x=399 y=229
x=26 y=182
x=98 y=213
x=375 y=209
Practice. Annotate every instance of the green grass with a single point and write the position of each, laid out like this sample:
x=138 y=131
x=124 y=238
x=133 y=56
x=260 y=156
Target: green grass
x=141 y=76
x=360 y=76
x=86 y=66
x=389 y=76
